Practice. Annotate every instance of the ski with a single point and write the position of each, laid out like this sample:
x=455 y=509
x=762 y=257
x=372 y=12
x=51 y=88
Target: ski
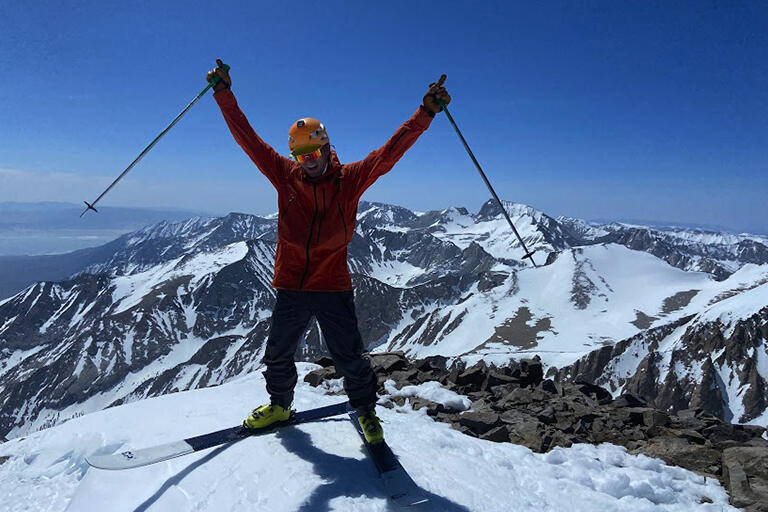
x=137 y=458
x=399 y=485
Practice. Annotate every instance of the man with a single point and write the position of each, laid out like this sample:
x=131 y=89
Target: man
x=317 y=207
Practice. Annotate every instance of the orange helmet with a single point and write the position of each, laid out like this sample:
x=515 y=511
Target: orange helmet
x=306 y=135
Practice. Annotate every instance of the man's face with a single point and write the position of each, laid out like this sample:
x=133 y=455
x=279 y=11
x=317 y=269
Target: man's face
x=315 y=168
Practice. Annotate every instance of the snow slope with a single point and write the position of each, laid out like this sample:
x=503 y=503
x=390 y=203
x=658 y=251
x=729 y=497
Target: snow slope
x=587 y=298
x=321 y=466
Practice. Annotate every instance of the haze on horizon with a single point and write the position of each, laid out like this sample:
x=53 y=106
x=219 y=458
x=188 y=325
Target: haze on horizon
x=593 y=110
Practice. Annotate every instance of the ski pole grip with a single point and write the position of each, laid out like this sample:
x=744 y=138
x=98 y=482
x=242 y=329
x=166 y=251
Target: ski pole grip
x=216 y=78
x=440 y=102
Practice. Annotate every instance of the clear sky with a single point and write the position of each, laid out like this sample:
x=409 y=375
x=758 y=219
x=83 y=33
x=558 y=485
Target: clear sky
x=593 y=109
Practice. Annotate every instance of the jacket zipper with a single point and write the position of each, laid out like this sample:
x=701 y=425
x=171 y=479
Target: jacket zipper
x=320 y=226
x=309 y=239
x=343 y=220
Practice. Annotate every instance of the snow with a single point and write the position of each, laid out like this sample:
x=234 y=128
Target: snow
x=738 y=307
x=321 y=466
x=432 y=391
x=129 y=290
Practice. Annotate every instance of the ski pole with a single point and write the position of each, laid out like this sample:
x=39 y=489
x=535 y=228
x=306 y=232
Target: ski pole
x=528 y=254
x=214 y=81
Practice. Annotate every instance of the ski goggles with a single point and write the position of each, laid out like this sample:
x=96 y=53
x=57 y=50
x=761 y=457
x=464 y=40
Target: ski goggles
x=308 y=157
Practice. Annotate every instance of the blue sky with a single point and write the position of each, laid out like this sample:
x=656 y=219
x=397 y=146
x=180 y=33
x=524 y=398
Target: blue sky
x=623 y=110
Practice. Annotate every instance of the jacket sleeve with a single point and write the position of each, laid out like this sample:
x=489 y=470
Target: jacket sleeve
x=274 y=166
x=365 y=172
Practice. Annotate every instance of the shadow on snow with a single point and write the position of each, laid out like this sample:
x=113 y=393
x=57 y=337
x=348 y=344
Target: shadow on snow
x=349 y=477
x=343 y=476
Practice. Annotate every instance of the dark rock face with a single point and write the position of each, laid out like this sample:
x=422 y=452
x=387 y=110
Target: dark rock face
x=514 y=404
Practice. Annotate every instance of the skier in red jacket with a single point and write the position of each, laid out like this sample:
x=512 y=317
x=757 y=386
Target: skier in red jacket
x=317 y=200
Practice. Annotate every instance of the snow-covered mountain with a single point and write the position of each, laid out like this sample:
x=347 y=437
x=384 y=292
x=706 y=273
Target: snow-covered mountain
x=186 y=305
x=321 y=466
x=715 y=360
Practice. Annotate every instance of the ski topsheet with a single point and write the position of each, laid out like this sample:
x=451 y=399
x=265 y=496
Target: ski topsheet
x=153 y=454
x=398 y=484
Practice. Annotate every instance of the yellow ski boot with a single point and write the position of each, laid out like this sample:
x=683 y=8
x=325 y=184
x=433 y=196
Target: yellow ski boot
x=265 y=416
x=371 y=425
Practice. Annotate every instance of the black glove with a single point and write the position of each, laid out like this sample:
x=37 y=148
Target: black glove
x=436 y=97
x=219 y=71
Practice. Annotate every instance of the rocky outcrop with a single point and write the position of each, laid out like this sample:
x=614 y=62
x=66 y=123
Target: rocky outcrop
x=745 y=471
x=709 y=359
x=517 y=404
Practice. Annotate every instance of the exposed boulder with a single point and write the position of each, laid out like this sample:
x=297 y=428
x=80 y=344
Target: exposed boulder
x=531 y=371
x=317 y=377
x=479 y=422
x=745 y=472
x=386 y=362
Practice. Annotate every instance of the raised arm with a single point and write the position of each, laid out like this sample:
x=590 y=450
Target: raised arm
x=365 y=172
x=274 y=166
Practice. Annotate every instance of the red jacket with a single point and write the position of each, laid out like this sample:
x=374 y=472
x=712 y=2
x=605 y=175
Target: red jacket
x=316 y=217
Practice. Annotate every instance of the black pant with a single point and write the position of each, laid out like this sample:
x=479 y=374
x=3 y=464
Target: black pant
x=335 y=312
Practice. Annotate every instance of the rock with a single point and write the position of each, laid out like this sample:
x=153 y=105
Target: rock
x=517 y=396
x=388 y=404
x=596 y=392
x=687 y=414
x=317 y=377
x=745 y=472
x=752 y=430
x=499 y=392
x=324 y=361
x=431 y=363
x=547 y=416
x=450 y=378
x=634 y=415
x=473 y=377
x=531 y=372
x=480 y=396
x=404 y=377
x=498 y=434
x=434 y=409
x=525 y=435
x=479 y=422
x=400 y=400
x=629 y=400
x=4 y=459
x=723 y=432
x=549 y=386
x=581 y=427
x=464 y=430
x=678 y=452
x=426 y=377
x=693 y=436
x=496 y=378
x=517 y=417
x=387 y=362
x=419 y=403
x=655 y=418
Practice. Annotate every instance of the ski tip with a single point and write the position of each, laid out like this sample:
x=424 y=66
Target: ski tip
x=104 y=462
